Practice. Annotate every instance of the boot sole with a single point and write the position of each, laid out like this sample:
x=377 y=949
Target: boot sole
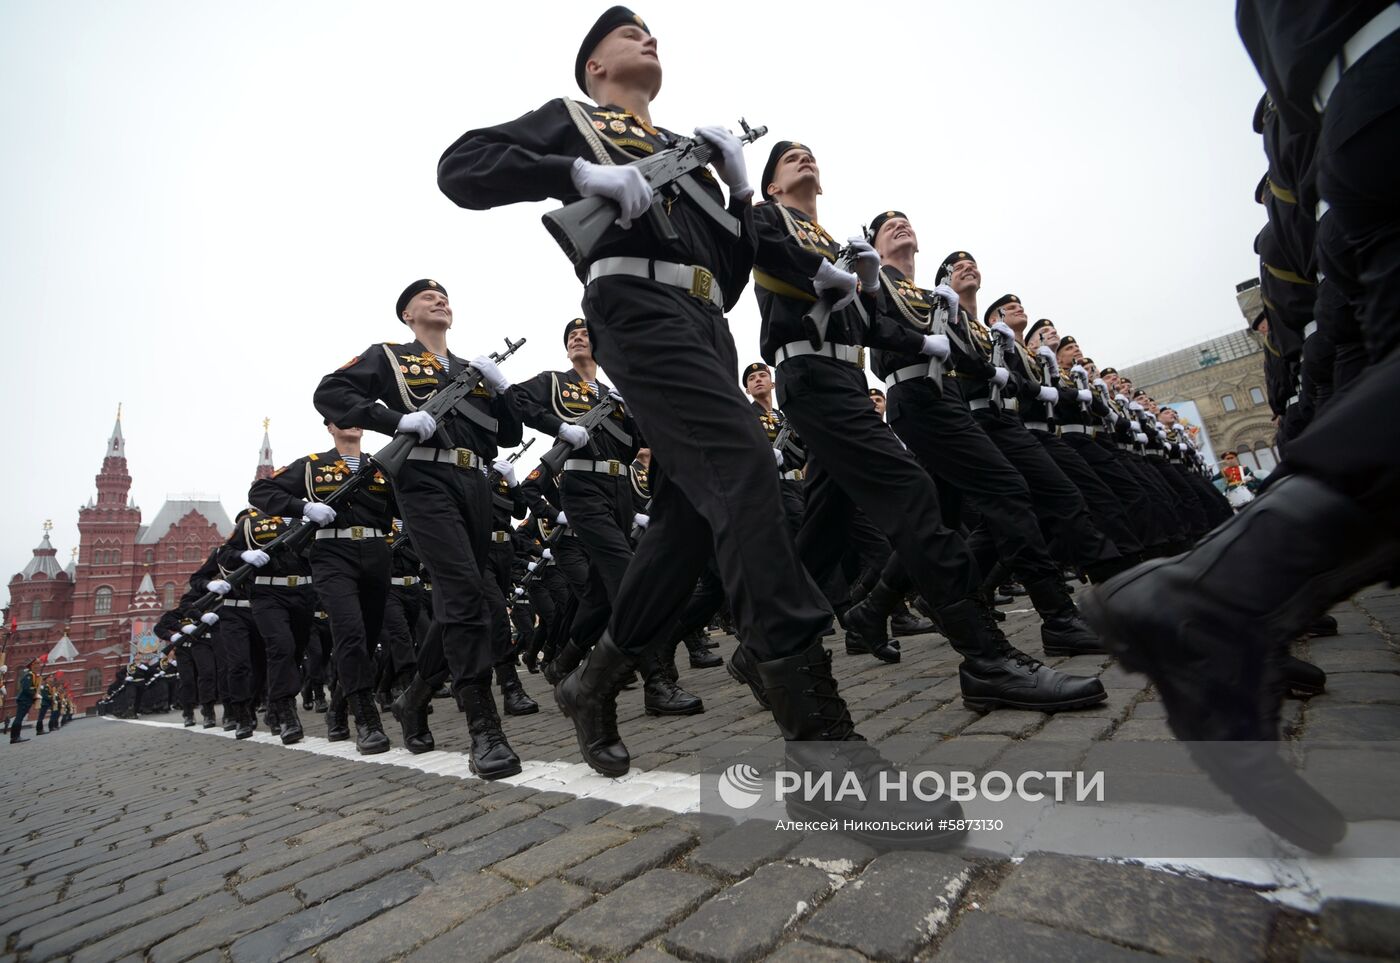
x=990 y=705
x=344 y=738
x=698 y=710
x=879 y=658
x=610 y=772
x=293 y=740
x=1069 y=651
x=523 y=712
x=738 y=677
x=373 y=752
x=708 y=665
x=502 y=774
x=1306 y=691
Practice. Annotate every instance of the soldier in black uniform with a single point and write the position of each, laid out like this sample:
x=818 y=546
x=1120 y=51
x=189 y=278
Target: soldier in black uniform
x=399 y=634
x=238 y=637
x=853 y=458
x=655 y=312
x=198 y=661
x=349 y=561
x=507 y=503
x=791 y=458
x=445 y=502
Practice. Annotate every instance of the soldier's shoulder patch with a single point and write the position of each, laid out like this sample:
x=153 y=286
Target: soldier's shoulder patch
x=314 y=456
x=533 y=475
x=348 y=363
x=279 y=471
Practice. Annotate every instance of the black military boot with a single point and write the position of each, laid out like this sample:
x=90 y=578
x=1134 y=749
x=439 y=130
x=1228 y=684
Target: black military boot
x=1063 y=630
x=411 y=710
x=207 y=710
x=306 y=697
x=230 y=716
x=743 y=669
x=369 y=731
x=290 y=721
x=338 y=716
x=865 y=624
x=661 y=693
x=189 y=716
x=996 y=675
x=491 y=756
x=318 y=699
x=700 y=655
x=821 y=739
x=903 y=622
x=588 y=697
x=514 y=699
x=1301 y=678
x=273 y=718
x=1206 y=628
x=246 y=718
x=1323 y=625
x=564 y=661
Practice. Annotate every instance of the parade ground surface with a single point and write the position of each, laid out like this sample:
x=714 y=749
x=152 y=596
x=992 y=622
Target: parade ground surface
x=131 y=840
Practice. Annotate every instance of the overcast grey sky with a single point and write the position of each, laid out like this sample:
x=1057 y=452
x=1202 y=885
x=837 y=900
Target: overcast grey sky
x=209 y=205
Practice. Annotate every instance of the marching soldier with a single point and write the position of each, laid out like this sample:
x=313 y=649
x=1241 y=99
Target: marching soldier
x=507 y=503
x=29 y=684
x=445 y=502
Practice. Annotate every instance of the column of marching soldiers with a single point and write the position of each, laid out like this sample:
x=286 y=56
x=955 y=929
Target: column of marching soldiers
x=995 y=452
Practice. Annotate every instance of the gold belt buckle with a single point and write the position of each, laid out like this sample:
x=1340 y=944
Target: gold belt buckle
x=291 y=580
x=465 y=458
x=357 y=532
x=702 y=283
x=614 y=467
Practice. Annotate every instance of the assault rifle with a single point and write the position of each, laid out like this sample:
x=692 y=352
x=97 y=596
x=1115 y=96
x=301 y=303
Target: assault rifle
x=554 y=459
x=818 y=317
x=579 y=226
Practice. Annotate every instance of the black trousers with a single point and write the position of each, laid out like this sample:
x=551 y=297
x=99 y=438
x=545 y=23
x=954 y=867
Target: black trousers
x=1216 y=508
x=593 y=608
x=317 y=666
x=855 y=461
x=399 y=634
x=714 y=487
x=197 y=673
x=1184 y=500
x=352 y=580
x=1161 y=497
x=283 y=618
x=499 y=558
x=600 y=512
x=448 y=510
x=238 y=643
x=1080 y=458
x=21 y=710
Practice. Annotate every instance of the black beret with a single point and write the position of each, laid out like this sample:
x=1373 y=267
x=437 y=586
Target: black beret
x=775 y=155
x=1086 y=360
x=945 y=270
x=412 y=291
x=1037 y=326
x=875 y=391
x=1140 y=393
x=612 y=18
x=1002 y=301
x=1105 y=372
x=1066 y=341
x=756 y=366
x=572 y=326
x=880 y=220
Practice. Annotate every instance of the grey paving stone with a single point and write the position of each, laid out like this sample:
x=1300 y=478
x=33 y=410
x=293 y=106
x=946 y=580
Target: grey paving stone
x=220 y=929
x=523 y=917
x=401 y=831
x=637 y=818
x=137 y=938
x=747 y=920
x=285 y=878
x=900 y=902
x=50 y=916
x=480 y=853
x=1363 y=687
x=1135 y=906
x=539 y=953
x=67 y=938
x=635 y=912
x=1360 y=723
x=800 y=951
x=649 y=954
x=611 y=868
x=317 y=925
x=1008 y=722
x=316 y=889
x=483 y=825
x=579 y=811
x=986 y=936
x=1325 y=954
x=432 y=912
x=1362 y=927
x=552 y=857
x=831 y=853
x=742 y=850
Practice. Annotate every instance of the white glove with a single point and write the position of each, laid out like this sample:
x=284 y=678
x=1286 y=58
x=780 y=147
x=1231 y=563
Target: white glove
x=1181 y=447
x=418 y=423
x=507 y=471
x=209 y=618
x=174 y=638
x=189 y=629
x=1004 y=329
x=1121 y=399
x=949 y=297
x=615 y=395
x=1140 y=438
x=1000 y=376
x=1161 y=428
x=1078 y=369
x=936 y=346
x=623 y=184
x=1048 y=395
x=640 y=520
x=1100 y=383
x=778 y=456
x=547 y=554
x=219 y=587
x=867 y=263
x=318 y=514
x=1048 y=353
x=256 y=557
x=491 y=374
x=728 y=159
x=532 y=566
x=519 y=592
x=1134 y=406
x=574 y=435
x=562 y=519
x=1085 y=395
x=832 y=278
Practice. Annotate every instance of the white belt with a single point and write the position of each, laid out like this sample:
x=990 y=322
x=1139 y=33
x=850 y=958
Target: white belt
x=797 y=474
x=1309 y=329
x=848 y=353
x=237 y=603
x=461 y=457
x=1079 y=430
x=977 y=404
x=1010 y=404
x=290 y=581
x=610 y=467
x=1379 y=27
x=1152 y=453
x=354 y=533
x=499 y=537
x=1322 y=208
x=404 y=580
x=1038 y=426
x=1291 y=402
x=910 y=373
x=695 y=280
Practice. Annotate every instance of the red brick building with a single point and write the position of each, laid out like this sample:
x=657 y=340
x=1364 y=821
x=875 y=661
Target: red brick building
x=123 y=575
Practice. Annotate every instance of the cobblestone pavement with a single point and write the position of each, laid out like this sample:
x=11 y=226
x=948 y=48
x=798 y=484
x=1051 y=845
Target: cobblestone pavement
x=128 y=841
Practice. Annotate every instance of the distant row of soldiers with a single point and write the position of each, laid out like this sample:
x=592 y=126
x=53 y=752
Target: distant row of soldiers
x=54 y=699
